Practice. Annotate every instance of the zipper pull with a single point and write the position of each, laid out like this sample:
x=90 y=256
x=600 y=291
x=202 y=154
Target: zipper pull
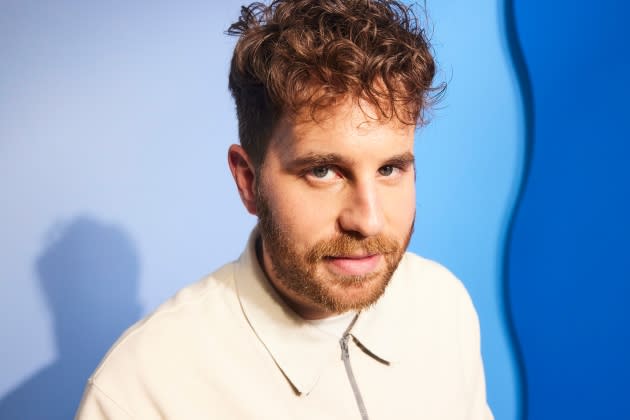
x=345 y=355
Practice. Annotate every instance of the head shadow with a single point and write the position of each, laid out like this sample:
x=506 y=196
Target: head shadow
x=89 y=273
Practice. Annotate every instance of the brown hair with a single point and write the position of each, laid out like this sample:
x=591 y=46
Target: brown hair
x=294 y=55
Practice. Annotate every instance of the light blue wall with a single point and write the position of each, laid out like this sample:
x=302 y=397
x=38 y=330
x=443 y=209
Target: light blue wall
x=469 y=170
x=115 y=120
x=114 y=125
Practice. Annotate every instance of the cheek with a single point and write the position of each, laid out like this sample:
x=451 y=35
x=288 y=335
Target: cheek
x=400 y=208
x=306 y=216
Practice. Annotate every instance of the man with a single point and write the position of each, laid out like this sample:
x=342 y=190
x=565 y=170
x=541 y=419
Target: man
x=324 y=315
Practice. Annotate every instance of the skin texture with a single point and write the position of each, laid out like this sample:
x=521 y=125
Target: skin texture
x=336 y=204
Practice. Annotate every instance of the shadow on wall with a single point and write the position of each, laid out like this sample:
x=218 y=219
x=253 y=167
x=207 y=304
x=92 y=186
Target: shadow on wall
x=89 y=274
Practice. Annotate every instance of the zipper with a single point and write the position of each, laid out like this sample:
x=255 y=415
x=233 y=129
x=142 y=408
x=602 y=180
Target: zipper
x=345 y=356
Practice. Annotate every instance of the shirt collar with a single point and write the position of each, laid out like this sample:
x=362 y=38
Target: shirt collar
x=380 y=329
x=301 y=350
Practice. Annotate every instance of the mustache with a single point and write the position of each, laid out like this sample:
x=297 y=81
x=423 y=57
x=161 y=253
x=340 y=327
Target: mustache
x=347 y=245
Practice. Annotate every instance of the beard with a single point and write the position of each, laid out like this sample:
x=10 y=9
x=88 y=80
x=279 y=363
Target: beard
x=298 y=272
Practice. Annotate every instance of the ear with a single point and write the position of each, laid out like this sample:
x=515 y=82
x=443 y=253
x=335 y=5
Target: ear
x=244 y=176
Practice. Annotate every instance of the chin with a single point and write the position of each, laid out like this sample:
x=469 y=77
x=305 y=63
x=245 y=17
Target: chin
x=355 y=293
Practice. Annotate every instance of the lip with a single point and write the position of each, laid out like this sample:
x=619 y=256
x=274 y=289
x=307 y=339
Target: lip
x=353 y=265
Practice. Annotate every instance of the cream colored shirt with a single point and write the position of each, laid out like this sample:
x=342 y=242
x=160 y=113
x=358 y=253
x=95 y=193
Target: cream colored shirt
x=227 y=347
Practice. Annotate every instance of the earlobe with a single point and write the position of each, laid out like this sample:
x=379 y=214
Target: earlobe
x=244 y=176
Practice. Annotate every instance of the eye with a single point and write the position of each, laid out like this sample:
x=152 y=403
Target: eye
x=387 y=170
x=322 y=173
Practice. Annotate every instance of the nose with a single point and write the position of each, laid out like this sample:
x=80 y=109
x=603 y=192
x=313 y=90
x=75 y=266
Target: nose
x=362 y=212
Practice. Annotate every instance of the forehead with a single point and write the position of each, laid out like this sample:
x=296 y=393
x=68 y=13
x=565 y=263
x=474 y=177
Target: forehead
x=349 y=128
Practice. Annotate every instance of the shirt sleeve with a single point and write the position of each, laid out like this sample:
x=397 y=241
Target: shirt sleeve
x=479 y=406
x=96 y=405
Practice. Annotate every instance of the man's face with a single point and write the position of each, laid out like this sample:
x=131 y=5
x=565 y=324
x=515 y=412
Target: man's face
x=336 y=205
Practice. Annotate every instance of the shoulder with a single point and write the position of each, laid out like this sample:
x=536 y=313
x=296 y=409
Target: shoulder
x=443 y=331
x=436 y=289
x=423 y=273
x=172 y=332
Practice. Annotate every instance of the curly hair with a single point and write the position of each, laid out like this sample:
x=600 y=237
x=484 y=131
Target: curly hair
x=297 y=55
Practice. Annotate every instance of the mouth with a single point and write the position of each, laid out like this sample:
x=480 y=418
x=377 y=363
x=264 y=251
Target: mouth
x=353 y=265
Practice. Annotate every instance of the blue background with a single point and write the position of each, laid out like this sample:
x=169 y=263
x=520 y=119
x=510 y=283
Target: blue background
x=114 y=125
x=568 y=272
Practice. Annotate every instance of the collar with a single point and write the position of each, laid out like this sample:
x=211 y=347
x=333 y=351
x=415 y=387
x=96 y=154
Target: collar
x=301 y=350
x=380 y=329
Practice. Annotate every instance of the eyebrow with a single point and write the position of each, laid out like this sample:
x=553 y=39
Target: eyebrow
x=330 y=159
x=403 y=159
x=318 y=159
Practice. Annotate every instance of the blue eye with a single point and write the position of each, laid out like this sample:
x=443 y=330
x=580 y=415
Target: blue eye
x=320 y=172
x=386 y=170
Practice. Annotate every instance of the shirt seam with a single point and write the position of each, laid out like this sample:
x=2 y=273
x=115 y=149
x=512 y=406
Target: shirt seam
x=94 y=385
